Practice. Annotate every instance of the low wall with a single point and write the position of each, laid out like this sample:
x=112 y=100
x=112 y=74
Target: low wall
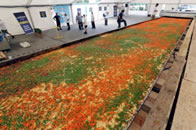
x=178 y=14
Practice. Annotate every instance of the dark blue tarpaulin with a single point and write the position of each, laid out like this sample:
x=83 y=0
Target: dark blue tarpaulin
x=24 y=23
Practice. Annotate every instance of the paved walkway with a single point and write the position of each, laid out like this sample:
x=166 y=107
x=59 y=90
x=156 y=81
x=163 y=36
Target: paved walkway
x=185 y=114
x=49 y=42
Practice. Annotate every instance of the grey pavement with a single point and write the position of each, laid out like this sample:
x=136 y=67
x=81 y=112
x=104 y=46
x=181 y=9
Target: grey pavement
x=185 y=113
x=48 y=41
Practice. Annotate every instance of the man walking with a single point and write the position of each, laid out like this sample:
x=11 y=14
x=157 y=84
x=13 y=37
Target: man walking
x=120 y=19
x=67 y=20
x=105 y=15
x=79 y=21
x=93 y=20
x=85 y=24
x=58 y=22
x=4 y=30
x=155 y=11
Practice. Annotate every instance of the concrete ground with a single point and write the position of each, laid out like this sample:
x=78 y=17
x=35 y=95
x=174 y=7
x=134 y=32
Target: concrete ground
x=49 y=40
x=185 y=114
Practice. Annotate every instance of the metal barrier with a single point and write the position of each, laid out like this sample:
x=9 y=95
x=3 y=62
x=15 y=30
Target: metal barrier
x=58 y=36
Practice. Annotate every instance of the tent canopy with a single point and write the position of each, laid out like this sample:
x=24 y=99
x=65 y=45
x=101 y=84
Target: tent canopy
x=115 y=1
x=33 y=2
x=57 y=2
x=51 y=2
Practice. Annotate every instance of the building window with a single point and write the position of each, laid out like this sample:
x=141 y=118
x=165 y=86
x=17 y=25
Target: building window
x=100 y=8
x=126 y=5
x=90 y=9
x=138 y=7
x=43 y=14
x=105 y=8
x=79 y=10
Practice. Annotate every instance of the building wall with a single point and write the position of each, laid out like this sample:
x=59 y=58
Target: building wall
x=85 y=9
x=188 y=1
x=61 y=10
x=174 y=1
x=163 y=4
x=34 y=2
x=11 y=23
x=110 y=10
x=14 y=27
x=48 y=23
x=153 y=1
x=42 y=23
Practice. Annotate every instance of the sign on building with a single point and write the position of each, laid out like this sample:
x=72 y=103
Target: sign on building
x=24 y=23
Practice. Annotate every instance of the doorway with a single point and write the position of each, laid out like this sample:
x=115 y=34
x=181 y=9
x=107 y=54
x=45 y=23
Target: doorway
x=115 y=11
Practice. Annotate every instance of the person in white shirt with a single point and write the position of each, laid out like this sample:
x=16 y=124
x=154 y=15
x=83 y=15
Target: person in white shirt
x=105 y=15
x=155 y=11
x=67 y=21
x=85 y=24
x=93 y=20
x=4 y=29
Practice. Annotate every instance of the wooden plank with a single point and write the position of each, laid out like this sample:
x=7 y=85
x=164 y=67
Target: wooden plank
x=149 y=102
x=184 y=47
x=139 y=121
x=153 y=95
x=159 y=114
x=2 y=56
x=143 y=114
x=151 y=99
x=185 y=44
x=194 y=34
x=135 y=126
x=160 y=83
x=145 y=108
x=190 y=73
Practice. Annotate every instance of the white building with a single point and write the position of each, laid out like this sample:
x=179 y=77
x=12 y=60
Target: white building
x=34 y=8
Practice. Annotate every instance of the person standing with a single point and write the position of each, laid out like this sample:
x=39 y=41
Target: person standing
x=155 y=12
x=58 y=21
x=105 y=15
x=93 y=20
x=4 y=30
x=85 y=24
x=79 y=21
x=120 y=19
x=67 y=20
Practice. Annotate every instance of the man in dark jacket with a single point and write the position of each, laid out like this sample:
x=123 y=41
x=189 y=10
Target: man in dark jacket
x=58 y=22
x=79 y=21
x=120 y=19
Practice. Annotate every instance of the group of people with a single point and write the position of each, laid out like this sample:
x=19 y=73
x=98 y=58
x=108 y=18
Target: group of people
x=82 y=21
x=58 y=21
